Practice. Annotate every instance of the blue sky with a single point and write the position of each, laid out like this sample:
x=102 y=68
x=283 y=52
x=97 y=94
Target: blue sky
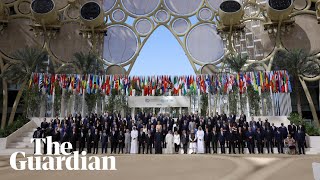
x=162 y=54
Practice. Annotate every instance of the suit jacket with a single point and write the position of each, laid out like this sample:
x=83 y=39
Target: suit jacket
x=96 y=138
x=113 y=137
x=222 y=137
x=142 y=137
x=214 y=137
x=149 y=139
x=184 y=139
x=121 y=138
x=207 y=137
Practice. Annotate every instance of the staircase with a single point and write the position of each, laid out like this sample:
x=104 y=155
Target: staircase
x=22 y=141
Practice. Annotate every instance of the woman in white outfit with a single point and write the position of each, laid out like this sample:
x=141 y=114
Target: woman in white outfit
x=176 y=141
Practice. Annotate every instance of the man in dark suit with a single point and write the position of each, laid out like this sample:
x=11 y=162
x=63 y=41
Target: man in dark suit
x=44 y=124
x=250 y=140
x=104 y=142
x=207 y=141
x=149 y=140
x=283 y=131
x=292 y=129
x=269 y=137
x=279 y=140
x=301 y=138
x=89 y=140
x=214 y=140
x=260 y=140
x=231 y=138
x=222 y=141
x=241 y=139
x=142 y=141
x=184 y=141
x=114 y=141
x=73 y=140
x=36 y=134
x=121 y=142
x=82 y=140
x=96 y=139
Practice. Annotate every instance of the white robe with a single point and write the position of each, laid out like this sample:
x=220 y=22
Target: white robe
x=169 y=141
x=134 y=142
x=192 y=145
x=200 y=136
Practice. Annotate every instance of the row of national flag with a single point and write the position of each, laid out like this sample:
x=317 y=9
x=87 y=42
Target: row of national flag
x=275 y=81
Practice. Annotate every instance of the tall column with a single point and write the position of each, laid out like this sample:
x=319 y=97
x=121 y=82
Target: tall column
x=102 y=103
x=209 y=104
x=73 y=104
x=52 y=104
x=83 y=108
x=133 y=111
x=63 y=103
x=272 y=101
x=261 y=106
x=43 y=104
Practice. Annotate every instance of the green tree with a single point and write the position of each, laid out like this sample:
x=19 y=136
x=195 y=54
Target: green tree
x=297 y=62
x=28 y=60
x=87 y=63
x=204 y=104
x=236 y=64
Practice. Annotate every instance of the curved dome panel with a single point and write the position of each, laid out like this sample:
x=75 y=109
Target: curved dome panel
x=185 y=7
x=303 y=35
x=214 y=4
x=120 y=45
x=140 y=7
x=108 y=4
x=204 y=44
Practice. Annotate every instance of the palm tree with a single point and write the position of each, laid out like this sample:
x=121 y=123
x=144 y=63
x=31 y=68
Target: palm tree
x=236 y=64
x=87 y=64
x=29 y=60
x=298 y=63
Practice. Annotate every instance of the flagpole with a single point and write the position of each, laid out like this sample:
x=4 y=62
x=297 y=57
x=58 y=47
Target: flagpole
x=52 y=106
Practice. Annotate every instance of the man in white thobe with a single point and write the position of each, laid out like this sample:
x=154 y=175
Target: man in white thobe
x=169 y=141
x=134 y=141
x=200 y=136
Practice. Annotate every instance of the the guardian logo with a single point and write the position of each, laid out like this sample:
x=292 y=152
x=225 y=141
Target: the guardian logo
x=59 y=161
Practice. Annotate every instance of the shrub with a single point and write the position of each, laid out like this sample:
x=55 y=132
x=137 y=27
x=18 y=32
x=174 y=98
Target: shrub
x=18 y=123
x=311 y=129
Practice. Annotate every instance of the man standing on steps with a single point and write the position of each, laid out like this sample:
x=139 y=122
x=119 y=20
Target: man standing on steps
x=301 y=138
x=269 y=140
x=127 y=138
x=96 y=139
x=214 y=140
x=250 y=140
x=157 y=142
x=207 y=141
x=184 y=141
x=104 y=142
x=279 y=141
x=222 y=141
x=37 y=134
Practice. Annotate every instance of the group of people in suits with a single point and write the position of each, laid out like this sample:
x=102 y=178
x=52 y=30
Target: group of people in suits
x=188 y=134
